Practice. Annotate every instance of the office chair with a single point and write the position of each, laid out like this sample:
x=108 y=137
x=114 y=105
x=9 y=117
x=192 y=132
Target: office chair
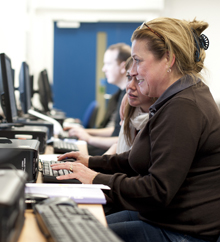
x=90 y=115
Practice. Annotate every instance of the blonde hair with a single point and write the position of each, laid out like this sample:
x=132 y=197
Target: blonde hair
x=175 y=37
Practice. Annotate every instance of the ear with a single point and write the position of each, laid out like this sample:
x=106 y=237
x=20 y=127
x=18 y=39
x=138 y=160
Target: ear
x=170 y=60
x=122 y=66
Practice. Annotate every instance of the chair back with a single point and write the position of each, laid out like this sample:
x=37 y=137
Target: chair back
x=90 y=115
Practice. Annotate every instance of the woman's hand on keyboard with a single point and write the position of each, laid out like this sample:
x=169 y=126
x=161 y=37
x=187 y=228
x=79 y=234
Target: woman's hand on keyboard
x=80 y=158
x=78 y=171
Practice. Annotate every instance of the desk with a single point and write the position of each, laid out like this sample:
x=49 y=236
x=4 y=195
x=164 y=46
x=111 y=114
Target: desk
x=31 y=231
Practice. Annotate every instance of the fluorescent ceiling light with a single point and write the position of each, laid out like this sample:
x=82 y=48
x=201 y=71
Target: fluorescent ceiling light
x=68 y=24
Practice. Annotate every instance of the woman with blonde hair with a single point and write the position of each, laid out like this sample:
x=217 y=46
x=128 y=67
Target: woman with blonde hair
x=168 y=183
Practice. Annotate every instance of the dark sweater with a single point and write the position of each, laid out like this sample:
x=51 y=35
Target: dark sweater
x=111 y=109
x=172 y=174
x=93 y=150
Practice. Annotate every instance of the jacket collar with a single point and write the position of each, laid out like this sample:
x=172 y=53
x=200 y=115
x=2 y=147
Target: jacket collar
x=176 y=87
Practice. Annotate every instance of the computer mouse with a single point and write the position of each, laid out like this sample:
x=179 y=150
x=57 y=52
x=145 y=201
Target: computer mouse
x=32 y=199
x=35 y=197
x=69 y=160
x=5 y=140
x=60 y=201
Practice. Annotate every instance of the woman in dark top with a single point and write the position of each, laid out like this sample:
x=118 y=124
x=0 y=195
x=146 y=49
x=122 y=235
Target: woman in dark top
x=168 y=184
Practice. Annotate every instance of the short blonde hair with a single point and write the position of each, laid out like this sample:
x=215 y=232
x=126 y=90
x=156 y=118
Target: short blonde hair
x=177 y=37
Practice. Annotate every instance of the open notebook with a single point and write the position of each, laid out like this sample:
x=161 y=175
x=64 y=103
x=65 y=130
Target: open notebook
x=80 y=193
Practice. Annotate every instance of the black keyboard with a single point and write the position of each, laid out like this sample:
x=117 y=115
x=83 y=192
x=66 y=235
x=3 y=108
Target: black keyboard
x=61 y=147
x=65 y=222
x=50 y=175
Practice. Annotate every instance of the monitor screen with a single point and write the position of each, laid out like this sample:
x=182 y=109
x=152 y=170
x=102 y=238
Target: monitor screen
x=45 y=91
x=25 y=87
x=13 y=76
x=32 y=85
x=7 y=93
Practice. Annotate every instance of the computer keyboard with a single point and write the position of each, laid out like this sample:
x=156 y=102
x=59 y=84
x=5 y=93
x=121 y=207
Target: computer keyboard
x=50 y=175
x=62 y=221
x=61 y=147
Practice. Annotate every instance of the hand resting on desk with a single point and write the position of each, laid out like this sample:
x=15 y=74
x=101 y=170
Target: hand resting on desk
x=79 y=168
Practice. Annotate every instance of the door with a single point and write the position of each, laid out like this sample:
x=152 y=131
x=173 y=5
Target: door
x=75 y=61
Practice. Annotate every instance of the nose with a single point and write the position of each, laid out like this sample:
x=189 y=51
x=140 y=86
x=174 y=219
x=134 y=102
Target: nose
x=131 y=84
x=133 y=70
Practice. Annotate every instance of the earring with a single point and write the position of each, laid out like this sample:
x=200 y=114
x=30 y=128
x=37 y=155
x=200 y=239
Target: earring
x=169 y=70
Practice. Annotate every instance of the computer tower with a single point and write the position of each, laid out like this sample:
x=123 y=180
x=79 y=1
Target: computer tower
x=21 y=154
x=37 y=132
x=12 y=204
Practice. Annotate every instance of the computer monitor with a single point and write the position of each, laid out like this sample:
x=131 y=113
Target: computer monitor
x=32 y=85
x=45 y=91
x=24 y=87
x=13 y=76
x=7 y=94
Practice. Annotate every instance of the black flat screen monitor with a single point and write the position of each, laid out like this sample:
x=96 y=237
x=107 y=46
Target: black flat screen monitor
x=25 y=87
x=13 y=76
x=32 y=85
x=7 y=94
x=45 y=91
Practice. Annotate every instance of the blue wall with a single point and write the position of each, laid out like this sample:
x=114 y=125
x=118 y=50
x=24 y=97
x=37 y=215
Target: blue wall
x=75 y=63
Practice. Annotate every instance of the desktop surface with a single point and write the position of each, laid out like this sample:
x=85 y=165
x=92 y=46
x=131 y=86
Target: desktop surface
x=31 y=231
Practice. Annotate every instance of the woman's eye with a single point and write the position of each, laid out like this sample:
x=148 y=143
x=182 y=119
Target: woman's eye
x=129 y=77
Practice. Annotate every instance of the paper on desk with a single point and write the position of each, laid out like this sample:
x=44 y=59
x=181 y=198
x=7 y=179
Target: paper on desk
x=48 y=157
x=75 y=141
x=80 y=193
